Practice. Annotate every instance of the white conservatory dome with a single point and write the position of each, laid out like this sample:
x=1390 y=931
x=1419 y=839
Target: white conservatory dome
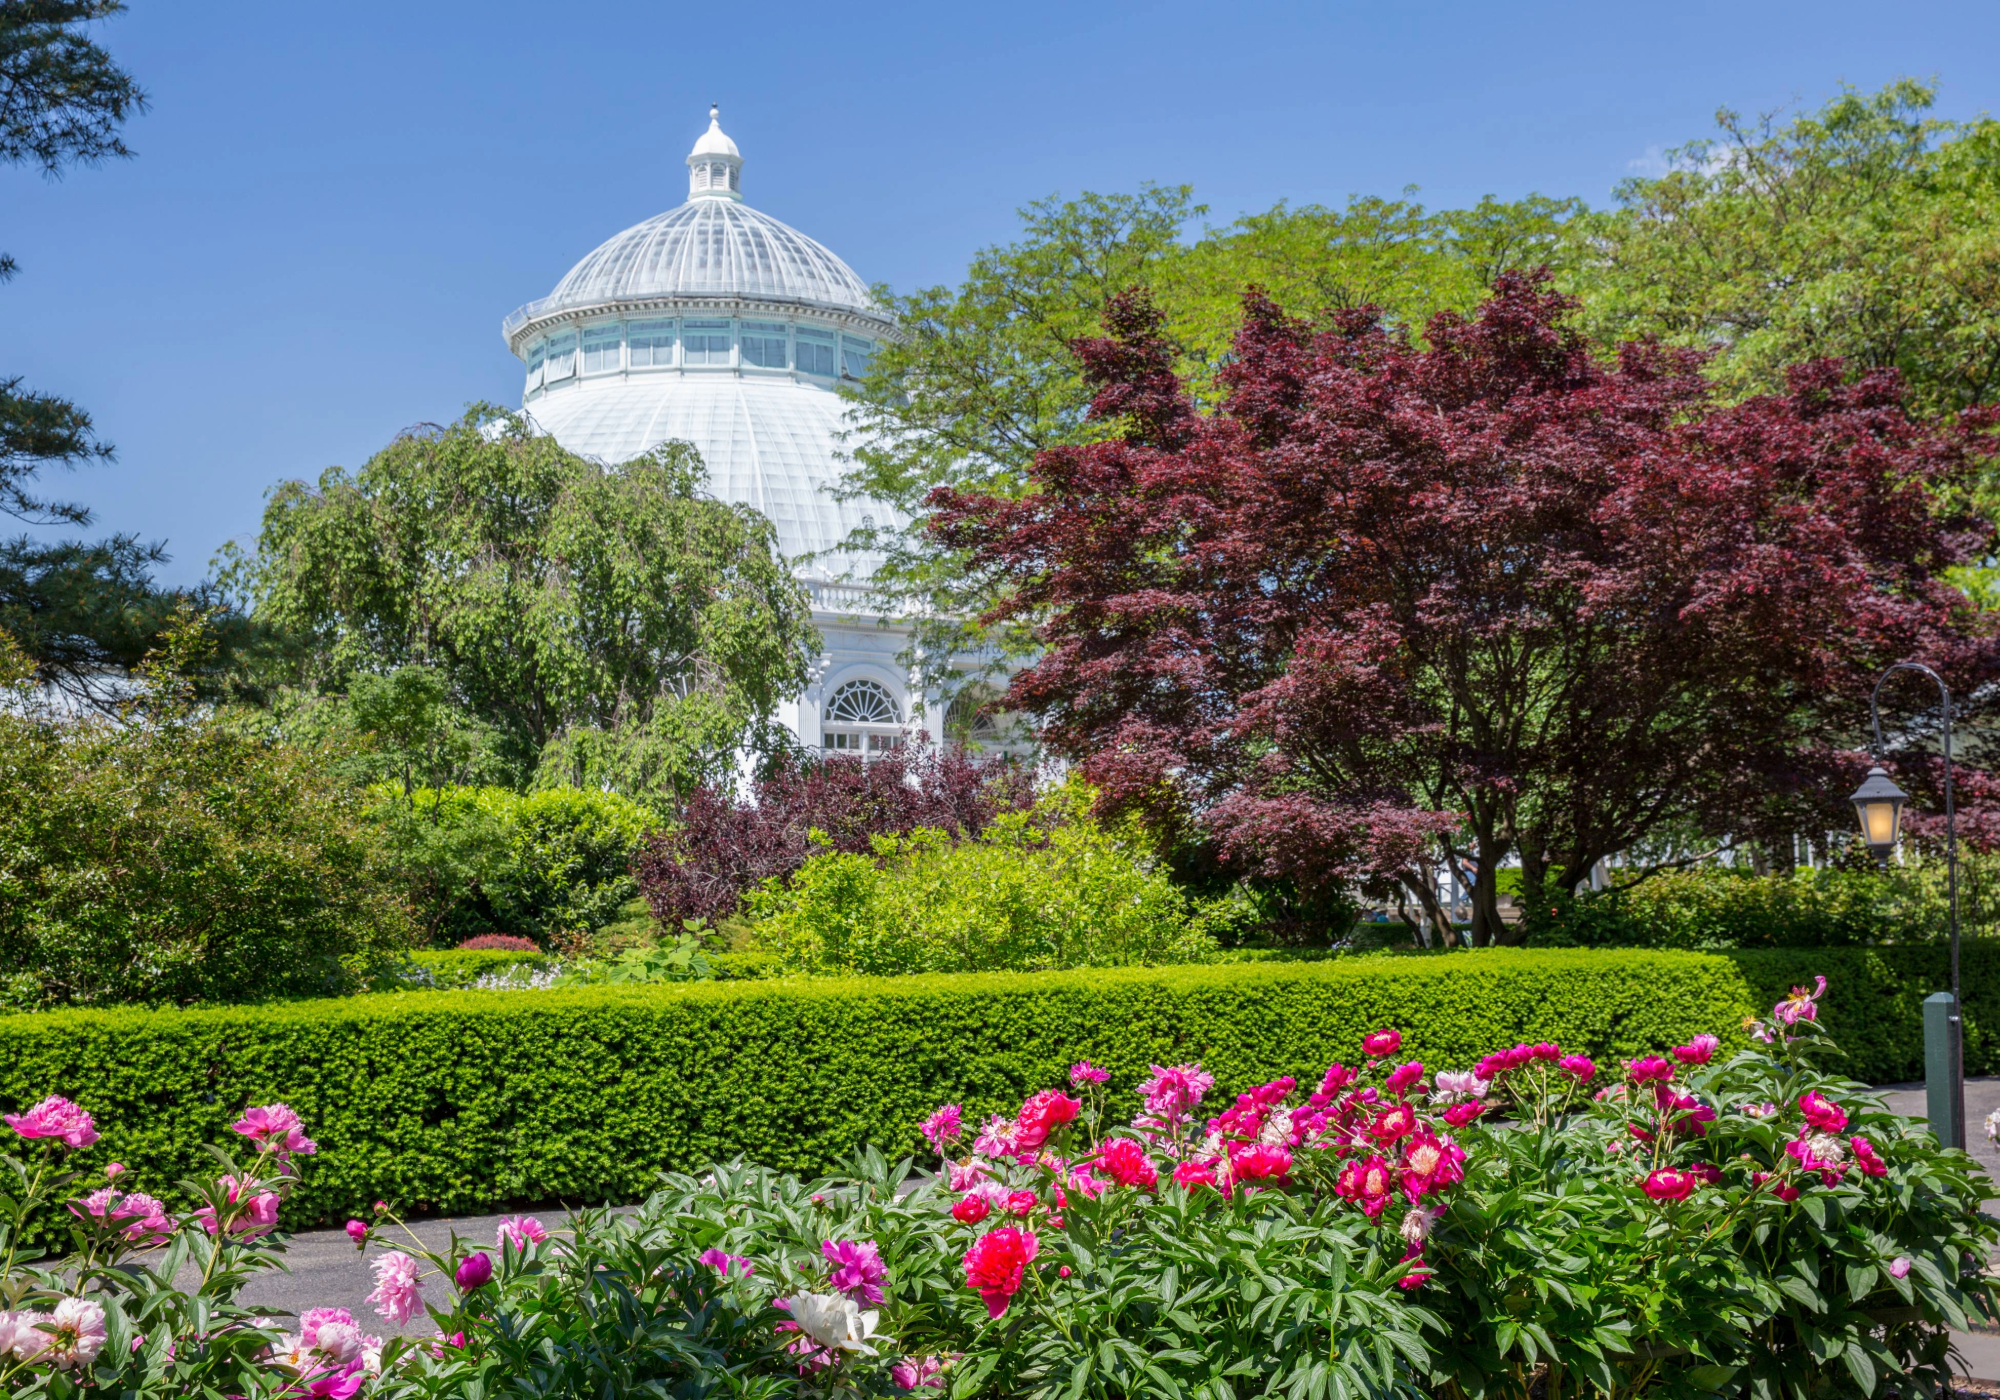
x=721 y=326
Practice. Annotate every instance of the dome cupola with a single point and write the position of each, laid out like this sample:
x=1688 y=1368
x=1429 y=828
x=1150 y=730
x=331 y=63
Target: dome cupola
x=715 y=166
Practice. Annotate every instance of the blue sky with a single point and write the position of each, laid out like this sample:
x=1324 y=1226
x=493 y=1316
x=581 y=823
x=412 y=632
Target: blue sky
x=334 y=205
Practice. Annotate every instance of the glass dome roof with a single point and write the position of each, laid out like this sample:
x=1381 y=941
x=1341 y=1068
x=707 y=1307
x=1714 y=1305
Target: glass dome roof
x=711 y=248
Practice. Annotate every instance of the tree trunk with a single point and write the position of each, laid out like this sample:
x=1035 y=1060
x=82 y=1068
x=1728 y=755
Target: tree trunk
x=1426 y=895
x=1488 y=929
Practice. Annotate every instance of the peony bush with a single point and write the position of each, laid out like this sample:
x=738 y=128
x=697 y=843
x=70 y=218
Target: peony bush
x=1681 y=1223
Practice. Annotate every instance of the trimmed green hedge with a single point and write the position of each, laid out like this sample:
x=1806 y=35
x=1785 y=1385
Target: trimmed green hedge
x=461 y=1101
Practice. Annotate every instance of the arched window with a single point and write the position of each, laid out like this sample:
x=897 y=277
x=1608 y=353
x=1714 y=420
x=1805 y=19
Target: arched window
x=862 y=718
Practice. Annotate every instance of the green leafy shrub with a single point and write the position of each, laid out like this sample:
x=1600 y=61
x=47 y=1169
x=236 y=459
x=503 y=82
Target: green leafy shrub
x=1722 y=907
x=539 y=866
x=1035 y=890
x=165 y=857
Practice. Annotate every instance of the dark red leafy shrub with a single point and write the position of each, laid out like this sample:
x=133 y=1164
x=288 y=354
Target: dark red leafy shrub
x=498 y=943
x=702 y=868
x=1393 y=604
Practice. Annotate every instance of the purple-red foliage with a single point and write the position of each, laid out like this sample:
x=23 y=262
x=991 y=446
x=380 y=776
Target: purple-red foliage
x=498 y=943
x=1490 y=594
x=702 y=868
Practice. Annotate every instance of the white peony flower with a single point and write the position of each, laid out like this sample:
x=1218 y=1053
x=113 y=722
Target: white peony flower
x=1457 y=1085
x=835 y=1321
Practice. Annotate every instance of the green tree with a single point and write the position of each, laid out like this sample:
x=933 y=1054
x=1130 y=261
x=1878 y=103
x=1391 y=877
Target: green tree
x=1867 y=230
x=581 y=612
x=166 y=857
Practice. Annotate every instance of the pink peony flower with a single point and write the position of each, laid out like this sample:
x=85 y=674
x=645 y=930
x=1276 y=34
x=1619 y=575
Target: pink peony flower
x=1380 y=1043
x=1581 y=1068
x=140 y=1216
x=1336 y=1078
x=1126 y=1163
x=858 y=1269
x=1459 y=1114
x=358 y=1232
x=1042 y=1115
x=1456 y=1085
x=1648 y=1068
x=1759 y=1110
x=275 y=1128
x=520 y=1231
x=74 y=1336
x=1188 y=1175
x=258 y=1217
x=398 y=1289
x=1417 y=1277
x=1822 y=1113
x=997 y=1263
x=996 y=1139
x=1021 y=1204
x=918 y=1372
x=1899 y=1267
x=1260 y=1163
x=113 y=1170
x=1782 y=1191
x=55 y=1117
x=1404 y=1078
x=943 y=1126
x=1670 y=1184
x=1800 y=1005
x=1698 y=1051
x=726 y=1264
x=971 y=1208
x=1366 y=1183
x=1867 y=1158
x=1084 y=1072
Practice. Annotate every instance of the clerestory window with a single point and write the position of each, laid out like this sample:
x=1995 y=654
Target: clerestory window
x=764 y=344
x=705 y=342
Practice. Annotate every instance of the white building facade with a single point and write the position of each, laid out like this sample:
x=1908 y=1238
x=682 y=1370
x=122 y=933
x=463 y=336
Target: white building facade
x=717 y=325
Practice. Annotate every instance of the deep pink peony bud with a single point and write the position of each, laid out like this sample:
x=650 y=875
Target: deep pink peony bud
x=474 y=1270
x=357 y=1232
x=113 y=1170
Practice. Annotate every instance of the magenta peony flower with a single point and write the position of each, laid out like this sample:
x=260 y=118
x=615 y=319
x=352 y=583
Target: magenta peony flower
x=358 y=1232
x=1867 y=1158
x=918 y=1372
x=997 y=1263
x=726 y=1264
x=1042 y=1115
x=1822 y=1112
x=1188 y=1175
x=971 y=1208
x=1430 y=1164
x=519 y=1231
x=474 y=1271
x=259 y=1216
x=943 y=1126
x=55 y=1117
x=858 y=1269
x=1784 y=1192
x=275 y=1128
x=1581 y=1068
x=1821 y=1152
x=1397 y=1122
x=1366 y=1183
x=1417 y=1277
x=1459 y=1114
x=1648 y=1068
x=398 y=1289
x=1260 y=1163
x=996 y=1139
x=1021 y=1204
x=1084 y=1072
x=1698 y=1051
x=1670 y=1184
x=1404 y=1078
x=1383 y=1042
x=1126 y=1163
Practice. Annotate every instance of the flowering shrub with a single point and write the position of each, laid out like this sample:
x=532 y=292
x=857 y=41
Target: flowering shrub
x=1035 y=890
x=1682 y=1223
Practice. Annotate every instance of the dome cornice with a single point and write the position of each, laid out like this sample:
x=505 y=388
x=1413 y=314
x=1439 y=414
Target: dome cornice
x=538 y=317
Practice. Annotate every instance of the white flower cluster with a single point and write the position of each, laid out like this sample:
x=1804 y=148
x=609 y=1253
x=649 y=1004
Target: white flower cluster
x=519 y=978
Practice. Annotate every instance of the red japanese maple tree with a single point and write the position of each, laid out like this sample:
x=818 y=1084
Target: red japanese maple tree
x=1394 y=603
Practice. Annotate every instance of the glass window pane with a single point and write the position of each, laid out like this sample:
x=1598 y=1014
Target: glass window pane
x=600 y=349
x=651 y=343
x=814 y=351
x=765 y=351
x=854 y=357
x=561 y=362
x=535 y=356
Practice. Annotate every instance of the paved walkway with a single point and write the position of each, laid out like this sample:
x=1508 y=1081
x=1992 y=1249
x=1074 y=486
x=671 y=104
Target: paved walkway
x=327 y=1270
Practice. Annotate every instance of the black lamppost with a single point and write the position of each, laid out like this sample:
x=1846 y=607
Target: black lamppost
x=1879 y=804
